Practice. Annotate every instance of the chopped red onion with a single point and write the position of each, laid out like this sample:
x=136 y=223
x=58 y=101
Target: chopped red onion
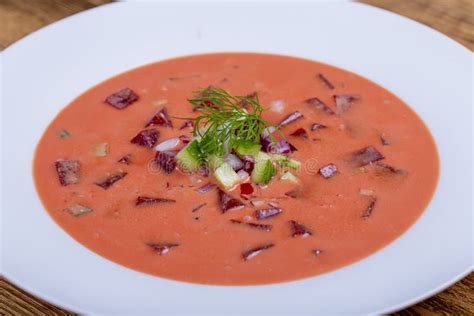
x=291 y=118
x=168 y=144
x=234 y=161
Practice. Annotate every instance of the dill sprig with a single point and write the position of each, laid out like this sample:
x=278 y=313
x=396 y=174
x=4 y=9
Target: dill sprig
x=224 y=122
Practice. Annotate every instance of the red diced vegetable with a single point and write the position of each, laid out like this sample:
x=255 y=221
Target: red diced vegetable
x=146 y=200
x=206 y=188
x=300 y=132
x=246 y=188
x=390 y=169
x=197 y=208
x=248 y=164
x=291 y=118
x=344 y=102
x=184 y=139
x=267 y=212
x=161 y=118
x=299 y=229
x=187 y=124
x=316 y=126
x=166 y=160
x=228 y=203
x=326 y=81
x=108 y=182
x=146 y=138
x=162 y=248
x=328 y=171
x=292 y=148
x=365 y=156
x=368 y=211
x=125 y=159
x=252 y=253
x=122 y=98
x=253 y=225
x=68 y=171
x=320 y=105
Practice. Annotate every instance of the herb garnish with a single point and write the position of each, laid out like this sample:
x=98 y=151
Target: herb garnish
x=223 y=124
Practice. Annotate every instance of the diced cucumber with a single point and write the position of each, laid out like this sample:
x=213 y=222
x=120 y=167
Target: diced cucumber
x=288 y=176
x=261 y=156
x=226 y=176
x=263 y=171
x=190 y=157
x=286 y=162
x=246 y=147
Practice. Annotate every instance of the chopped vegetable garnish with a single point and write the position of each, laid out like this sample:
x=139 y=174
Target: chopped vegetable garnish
x=122 y=98
x=187 y=124
x=263 y=170
x=317 y=126
x=206 y=188
x=365 y=156
x=320 y=105
x=226 y=175
x=228 y=203
x=267 y=212
x=264 y=227
x=166 y=160
x=100 y=149
x=146 y=138
x=380 y=166
x=169 y=144
x=246 y=189
x=125 y=159
x=344 y=102
x=370 y=208
x=63 y=133
x=288 y=176
x=78 y=209
x=384 y=141
x=300 y=132
x=162 y=248
x=252 y=253
x=161 y=118
x=197 y=208
x=299 y=229
x=328 y=171
x=68 y=171
x=326 y=81
x=152 y=200
x=190 y=158
x=291 y=118
x=109 y=181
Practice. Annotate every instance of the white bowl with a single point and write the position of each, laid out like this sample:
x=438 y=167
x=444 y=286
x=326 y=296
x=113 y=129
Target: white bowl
x=49 y=68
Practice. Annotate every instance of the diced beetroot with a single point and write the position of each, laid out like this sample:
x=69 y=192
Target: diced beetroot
x=146 y=200
x=184 y=139
x=317 y=252
x=384 y=141
x=147 y=138
x=198 y=207
x=316 y=126
x=320 y=105
x=166 y=160
x=228 y=203
x=299 y=229
x=344 y=102
x=268 y=212
x=389 y=169
x=246 y=188
x=300 y=132
x=326 y=82
x=161 y=118
x=328 y=171
x=206 y=188
x=248 y=164
x=368 y=211
x=187 y=124
x=109 y=181
x=365 y=156
x=68 y=171
x=125 y=159
x=162 y=248
x=252 y=253
x=291 y=118
x=122 y=98
x=253 y=225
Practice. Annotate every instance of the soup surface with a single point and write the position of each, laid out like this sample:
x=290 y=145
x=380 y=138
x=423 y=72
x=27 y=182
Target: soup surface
x=379 y=168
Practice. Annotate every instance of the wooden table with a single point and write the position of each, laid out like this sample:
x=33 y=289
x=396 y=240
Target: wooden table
x=454 y=18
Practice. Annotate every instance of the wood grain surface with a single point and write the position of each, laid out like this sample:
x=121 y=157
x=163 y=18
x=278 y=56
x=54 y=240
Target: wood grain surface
x=455 y=18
